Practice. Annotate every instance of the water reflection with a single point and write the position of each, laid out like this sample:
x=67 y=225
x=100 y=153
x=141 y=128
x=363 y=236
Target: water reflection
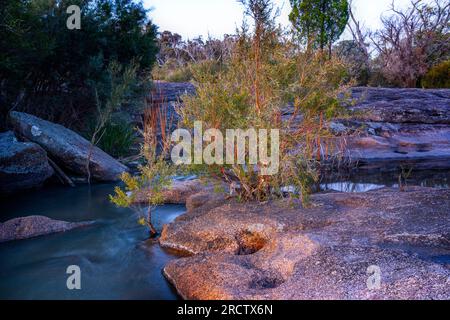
x=363 y=182
x=350 y=187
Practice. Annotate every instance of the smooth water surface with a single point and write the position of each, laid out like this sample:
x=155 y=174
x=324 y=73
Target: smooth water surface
x=361 y=182
x=115 y=258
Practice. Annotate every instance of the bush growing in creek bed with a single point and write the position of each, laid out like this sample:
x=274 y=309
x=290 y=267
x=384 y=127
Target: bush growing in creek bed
x=266 y=72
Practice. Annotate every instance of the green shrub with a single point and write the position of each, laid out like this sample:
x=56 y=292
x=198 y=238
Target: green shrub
x=171 y=73
x=264 y=73
x=117 y=139
x=438 y=76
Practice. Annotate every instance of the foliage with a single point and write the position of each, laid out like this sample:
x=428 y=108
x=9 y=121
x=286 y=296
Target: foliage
x=172 y=73
x=118 y=136
x=120 y=80
x=266 y=71
x=155 y=175
x=409 y=42
x=319 y=22
x=173 y=49
x=153 y=178
x=177 y=57
x=412 y=40
x=438 y=76
x=48 y=70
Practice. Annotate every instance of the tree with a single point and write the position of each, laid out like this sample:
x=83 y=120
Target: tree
x=319 y=22
x=413 y=40
x=48 y=70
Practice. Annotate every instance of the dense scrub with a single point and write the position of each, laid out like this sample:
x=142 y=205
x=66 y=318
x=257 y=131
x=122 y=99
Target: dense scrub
x=265 y=71
x=408 y=44
x=61 y=74
x=438 y=76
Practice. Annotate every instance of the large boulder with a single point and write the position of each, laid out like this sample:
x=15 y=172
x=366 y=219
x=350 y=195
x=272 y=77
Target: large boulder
x=34 y=226
x=331 y=250
x=23 y=165
x=67 y=148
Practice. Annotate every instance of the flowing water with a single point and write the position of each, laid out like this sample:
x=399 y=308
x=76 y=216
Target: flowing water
x=115 y=259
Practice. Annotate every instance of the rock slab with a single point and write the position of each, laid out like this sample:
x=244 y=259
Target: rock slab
x=391 y=129
x=282 y=251
x=67 y=148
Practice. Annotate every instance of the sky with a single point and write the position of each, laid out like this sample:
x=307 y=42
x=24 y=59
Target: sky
x=191 y=18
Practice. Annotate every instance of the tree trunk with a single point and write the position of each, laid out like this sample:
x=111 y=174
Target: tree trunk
x=153 y=232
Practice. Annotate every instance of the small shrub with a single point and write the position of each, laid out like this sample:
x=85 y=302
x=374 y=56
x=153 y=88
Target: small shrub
x=117 y=138
x=185 y=73
x=154 y=176
x=438 y=76
x=172 y=74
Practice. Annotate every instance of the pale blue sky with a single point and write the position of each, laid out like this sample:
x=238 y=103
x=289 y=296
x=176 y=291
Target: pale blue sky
x=191 y=18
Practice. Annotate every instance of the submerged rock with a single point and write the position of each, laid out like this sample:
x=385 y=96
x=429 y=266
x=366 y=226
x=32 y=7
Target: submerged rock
x=67 y=148
x=328 y=251
x=34 y=226
x=23 y=165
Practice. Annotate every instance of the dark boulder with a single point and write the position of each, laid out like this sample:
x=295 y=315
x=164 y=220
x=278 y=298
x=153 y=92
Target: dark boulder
x=67 y=148
x=23 y=165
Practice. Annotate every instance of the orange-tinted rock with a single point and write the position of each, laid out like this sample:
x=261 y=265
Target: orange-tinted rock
x=280 y=251
x=34 y=226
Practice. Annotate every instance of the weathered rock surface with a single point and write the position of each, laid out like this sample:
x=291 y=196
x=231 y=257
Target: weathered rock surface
x=22 y=165
x=283 y=251
x=405 y=127
x=411 y=146
x=397 y=128
x=34 y=226
x=67 y=148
